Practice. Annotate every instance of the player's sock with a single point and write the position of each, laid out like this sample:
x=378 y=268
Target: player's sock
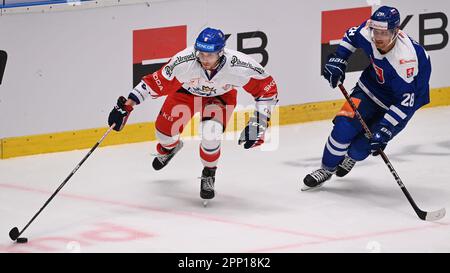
x=334 y=151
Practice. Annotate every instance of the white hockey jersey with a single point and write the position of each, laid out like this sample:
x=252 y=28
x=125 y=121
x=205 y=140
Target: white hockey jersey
x=234 y=70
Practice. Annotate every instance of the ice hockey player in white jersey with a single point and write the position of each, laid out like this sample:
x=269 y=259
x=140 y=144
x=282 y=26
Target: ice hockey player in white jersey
x=389 y=91
x=204 y=79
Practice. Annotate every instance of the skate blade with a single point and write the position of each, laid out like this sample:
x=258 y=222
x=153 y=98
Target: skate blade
x=205 y=202
x=306 y=188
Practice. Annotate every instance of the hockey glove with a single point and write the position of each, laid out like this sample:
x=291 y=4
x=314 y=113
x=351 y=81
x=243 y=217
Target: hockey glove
x=380 y=138
x=334 y=70
x=253 y=134
x=119 y=114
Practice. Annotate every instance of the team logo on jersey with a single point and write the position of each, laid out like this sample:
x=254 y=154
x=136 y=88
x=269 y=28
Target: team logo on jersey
x=334 y=25
x=204 y=91
x=410 y=72
x=379 y=72
x=209 y=90
x=153 y=47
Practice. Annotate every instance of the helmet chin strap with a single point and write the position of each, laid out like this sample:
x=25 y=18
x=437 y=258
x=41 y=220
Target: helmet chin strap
x=221 y=53
x=393 y=39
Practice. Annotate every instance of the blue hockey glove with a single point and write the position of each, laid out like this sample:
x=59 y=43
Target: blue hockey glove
x=380 y=138
x=334 y=70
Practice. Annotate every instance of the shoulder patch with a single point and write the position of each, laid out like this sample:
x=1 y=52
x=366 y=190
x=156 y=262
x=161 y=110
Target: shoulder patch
x=236 y=62
x=179 y=60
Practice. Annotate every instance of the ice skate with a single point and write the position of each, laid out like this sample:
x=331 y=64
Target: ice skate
x=207 y=184
x=316 y=179
x=345 y=166
x=161 y=160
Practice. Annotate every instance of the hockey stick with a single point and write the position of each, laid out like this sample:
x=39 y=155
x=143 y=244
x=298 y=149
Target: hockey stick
x=14 y=233
x=427 y=216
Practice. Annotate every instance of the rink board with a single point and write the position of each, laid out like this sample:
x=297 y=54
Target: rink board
x=139 y=132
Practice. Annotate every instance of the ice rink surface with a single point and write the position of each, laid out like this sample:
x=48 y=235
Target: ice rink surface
x=116 y=202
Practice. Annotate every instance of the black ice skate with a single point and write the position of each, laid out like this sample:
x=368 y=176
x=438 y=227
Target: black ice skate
x=161 y=161
x=345 y=167
x=316 y=179
x=207 y=183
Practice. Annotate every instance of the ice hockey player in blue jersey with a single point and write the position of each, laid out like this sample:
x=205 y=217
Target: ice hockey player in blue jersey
x=389 y=91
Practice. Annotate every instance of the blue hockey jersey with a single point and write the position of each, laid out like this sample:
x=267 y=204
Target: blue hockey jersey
x=397 y=81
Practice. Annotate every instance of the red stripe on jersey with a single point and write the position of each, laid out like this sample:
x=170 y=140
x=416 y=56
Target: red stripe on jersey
x=336 y=22
x=264 y=88
x=161 y=85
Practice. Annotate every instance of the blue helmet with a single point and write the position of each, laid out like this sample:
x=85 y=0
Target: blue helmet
x=210 y=40
x=385 y=18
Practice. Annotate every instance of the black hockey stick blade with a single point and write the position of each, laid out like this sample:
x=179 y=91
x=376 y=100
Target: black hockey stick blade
x=432 y=215
x=14 y=233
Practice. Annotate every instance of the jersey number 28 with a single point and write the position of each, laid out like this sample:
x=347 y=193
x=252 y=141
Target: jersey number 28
x=408 y=100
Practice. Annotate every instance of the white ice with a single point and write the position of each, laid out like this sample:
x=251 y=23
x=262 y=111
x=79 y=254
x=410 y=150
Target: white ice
x=116 y=202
